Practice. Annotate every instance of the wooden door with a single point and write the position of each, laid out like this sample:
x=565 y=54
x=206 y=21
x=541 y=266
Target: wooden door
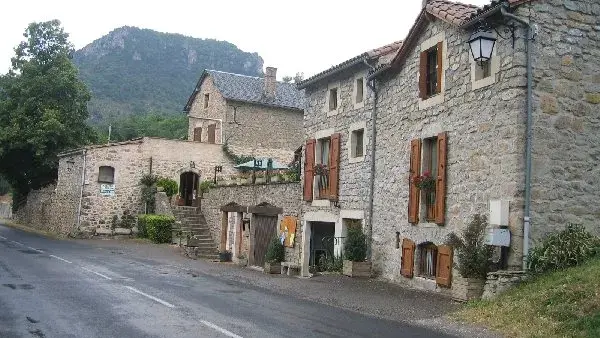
x=212 y=129
x=264 y=229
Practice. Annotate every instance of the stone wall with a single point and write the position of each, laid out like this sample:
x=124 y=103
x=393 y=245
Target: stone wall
x=255 y=130
x=485 y=145
x=282 y=195
x=566 y=142
x=48 y=210
x=500 y=281
x=5 y=210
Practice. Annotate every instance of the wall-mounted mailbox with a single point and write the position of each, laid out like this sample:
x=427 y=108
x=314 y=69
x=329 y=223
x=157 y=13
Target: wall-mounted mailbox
x=497 y=237
x=499 y=212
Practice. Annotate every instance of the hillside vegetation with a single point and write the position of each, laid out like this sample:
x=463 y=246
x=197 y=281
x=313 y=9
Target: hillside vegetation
x=133 y=71
x=564 y=303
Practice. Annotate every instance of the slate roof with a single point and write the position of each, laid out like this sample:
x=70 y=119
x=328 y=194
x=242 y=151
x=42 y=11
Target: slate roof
x=369 y=55
x=243 y=88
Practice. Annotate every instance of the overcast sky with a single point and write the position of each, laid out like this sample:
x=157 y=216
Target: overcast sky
x=294 y=36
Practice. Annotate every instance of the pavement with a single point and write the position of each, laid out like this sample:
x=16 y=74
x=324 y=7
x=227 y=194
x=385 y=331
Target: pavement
x=123 y=288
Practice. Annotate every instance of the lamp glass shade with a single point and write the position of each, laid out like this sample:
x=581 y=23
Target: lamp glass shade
x=482 y=45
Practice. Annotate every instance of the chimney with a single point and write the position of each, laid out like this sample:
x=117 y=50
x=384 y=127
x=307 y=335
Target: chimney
x=270 y=82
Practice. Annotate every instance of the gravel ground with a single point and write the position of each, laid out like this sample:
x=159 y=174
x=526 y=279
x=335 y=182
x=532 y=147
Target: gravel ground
x=368 y=296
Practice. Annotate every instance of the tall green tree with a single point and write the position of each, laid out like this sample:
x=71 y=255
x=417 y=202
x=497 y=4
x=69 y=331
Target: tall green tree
x=43 y=108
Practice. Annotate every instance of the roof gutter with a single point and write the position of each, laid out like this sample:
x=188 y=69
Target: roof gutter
x=482 y=16
x=351 y=63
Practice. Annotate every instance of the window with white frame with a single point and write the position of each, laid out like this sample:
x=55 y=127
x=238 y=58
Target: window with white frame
x=357 y=143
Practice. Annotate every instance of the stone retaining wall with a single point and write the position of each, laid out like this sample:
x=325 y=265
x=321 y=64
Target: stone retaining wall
x=500 y=281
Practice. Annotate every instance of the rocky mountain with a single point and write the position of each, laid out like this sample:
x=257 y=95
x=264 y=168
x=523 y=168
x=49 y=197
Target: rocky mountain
x=133 y=71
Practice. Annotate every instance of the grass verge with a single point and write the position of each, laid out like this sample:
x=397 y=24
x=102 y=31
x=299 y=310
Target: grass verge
x=559 y=304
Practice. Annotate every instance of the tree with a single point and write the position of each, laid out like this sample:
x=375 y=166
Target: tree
x=298 y=77
x=43 y=108
x=287 y=79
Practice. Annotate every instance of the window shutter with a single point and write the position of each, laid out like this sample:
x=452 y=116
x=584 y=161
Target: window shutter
x=334 y=166
x=309 y=164
x=443 y=269
x=408 y=258
x=423 y=75
x=440 y=184
x=198 y=134
x=413 y=192
x=440 y=68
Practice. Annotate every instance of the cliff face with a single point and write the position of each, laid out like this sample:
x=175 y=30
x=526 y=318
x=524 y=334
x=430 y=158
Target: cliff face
x=137 y=71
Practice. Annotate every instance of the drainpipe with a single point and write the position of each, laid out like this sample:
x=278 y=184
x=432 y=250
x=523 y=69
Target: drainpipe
x=526 y=216
x=371 y=85
x=82 y=186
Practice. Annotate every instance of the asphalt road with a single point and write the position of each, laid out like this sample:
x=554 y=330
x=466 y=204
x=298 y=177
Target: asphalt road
x=55 y=288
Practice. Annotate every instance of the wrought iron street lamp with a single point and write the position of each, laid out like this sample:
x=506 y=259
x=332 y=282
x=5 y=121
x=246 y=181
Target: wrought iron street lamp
x=482 y=43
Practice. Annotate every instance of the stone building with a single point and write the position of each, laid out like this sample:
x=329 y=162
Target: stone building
x=337 y=130
x=465 y=123
x=252 y=115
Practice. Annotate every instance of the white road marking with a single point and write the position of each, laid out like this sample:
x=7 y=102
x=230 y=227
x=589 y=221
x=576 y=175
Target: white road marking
x=34 y=249
x=96 y=273
x=220 y=329
x=167 y=304
x=62 y=259
x=19 y=243
x=3 y=237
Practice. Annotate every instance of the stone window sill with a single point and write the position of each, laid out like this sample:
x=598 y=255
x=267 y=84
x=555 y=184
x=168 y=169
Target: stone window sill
x=431 y=101
x=356 y=159
x=321 y=203
x=478 y=84
x=332 y=112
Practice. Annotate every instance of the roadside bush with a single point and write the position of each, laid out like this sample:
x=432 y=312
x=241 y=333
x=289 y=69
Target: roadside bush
x=472 y=254
x=275 y=251
x=156 y=227
x=170 y=186
x=355 y=243
x=563 y=249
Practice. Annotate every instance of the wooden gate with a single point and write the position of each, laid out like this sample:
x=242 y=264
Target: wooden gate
x=264 y=229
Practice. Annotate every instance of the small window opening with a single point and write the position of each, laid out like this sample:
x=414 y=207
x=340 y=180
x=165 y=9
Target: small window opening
x=427 y=260
x=357 y=143
x=483 y=70
x=333 y=104
x=432 y=71
x=106 y=174
x=206 y=99
x=359 y=90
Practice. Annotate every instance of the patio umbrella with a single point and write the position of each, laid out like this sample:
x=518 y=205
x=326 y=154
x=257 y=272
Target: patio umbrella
x=250 y=164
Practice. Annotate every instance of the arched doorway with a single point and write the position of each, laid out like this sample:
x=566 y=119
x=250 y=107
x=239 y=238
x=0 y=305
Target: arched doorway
x=188 y=188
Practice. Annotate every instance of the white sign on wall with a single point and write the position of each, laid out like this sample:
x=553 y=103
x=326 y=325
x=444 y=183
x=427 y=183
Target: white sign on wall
x=107 y=189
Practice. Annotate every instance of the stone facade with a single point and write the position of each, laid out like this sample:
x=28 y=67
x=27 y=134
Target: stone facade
x=249 y=129
x=566 y=142
x=282 y=195
x=485 y=127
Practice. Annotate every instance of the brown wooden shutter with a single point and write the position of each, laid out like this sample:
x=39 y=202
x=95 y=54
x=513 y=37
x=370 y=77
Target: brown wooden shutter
x=408 y=258
x=440 y=68
x=443 y=270
x=334 y=166
x=423 y=75
x=198 y=134
x=309 y=166
x=212 y=129
x=413 y=192
x=440 y=184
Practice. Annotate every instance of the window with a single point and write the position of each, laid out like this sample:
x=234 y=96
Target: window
x=198 y=134
x=429 y=165
x=212 y=130
x=483 y=70
x=333 y=102
x=206 y=99
x=427 y=181
x=106 y=174
x=359 y=90
x=432 y=72
x=357 y=143
x=322 y=174
x=428 y=260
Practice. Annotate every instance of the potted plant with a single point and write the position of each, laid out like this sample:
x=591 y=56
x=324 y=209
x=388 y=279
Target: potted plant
x=426 y=184
x=274 y=256
x=225 y=256
x=472 y=260
x=321 y=171
x=355 y=252
x=242 y=260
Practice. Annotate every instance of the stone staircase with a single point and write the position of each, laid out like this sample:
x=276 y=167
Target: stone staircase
x=192 y=233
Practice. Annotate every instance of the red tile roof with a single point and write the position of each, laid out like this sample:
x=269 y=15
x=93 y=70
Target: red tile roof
x=455 y=13
x=384 y=50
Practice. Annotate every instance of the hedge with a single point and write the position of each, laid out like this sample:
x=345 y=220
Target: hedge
x=156 y=227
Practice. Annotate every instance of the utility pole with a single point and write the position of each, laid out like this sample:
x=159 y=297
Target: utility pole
x=109 y=132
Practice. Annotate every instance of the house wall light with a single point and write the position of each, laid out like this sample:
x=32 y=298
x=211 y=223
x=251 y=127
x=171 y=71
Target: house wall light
x=482 y=43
